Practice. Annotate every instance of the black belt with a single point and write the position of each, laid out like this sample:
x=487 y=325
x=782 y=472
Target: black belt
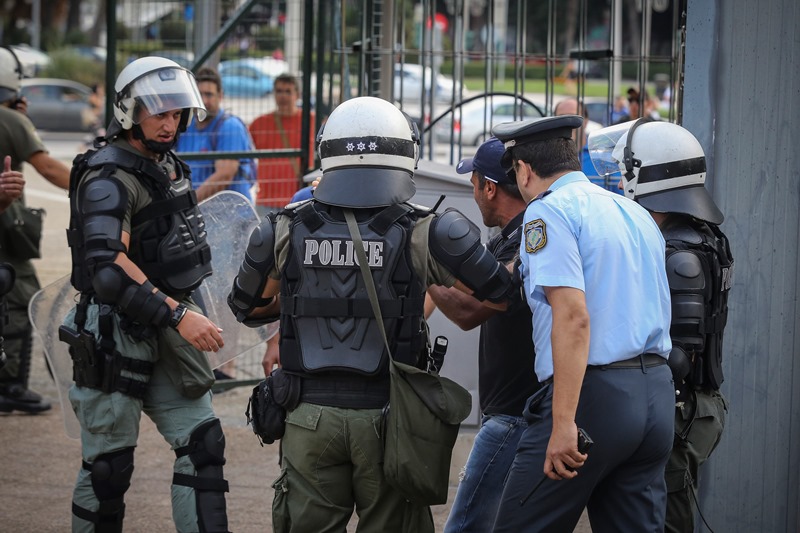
x=643 y=361
x=647 y=360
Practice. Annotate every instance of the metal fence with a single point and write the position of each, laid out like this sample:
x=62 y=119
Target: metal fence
x=457 y=67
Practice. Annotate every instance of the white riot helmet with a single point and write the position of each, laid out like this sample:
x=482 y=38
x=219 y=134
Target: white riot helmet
x=369 y=150
x=10 y=75
x=663 y=166
x=157 y=85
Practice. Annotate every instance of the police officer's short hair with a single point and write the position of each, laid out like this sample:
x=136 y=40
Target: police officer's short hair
x=549 y=157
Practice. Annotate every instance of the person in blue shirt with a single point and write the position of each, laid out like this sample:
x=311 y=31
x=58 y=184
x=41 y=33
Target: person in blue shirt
x=219 y=132
x=570 y=106
x=593 y=274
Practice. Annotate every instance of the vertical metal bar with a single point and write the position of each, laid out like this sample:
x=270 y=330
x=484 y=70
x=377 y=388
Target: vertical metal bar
x=308 y=50
x=111 y=57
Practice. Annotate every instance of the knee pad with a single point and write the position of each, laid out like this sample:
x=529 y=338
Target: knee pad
x=111 y=477
x=206 y=450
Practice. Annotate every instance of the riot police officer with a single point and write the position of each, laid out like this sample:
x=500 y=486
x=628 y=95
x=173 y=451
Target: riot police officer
x=664 y=169
x=19 y=143
x=301 y=268
x=139 y=249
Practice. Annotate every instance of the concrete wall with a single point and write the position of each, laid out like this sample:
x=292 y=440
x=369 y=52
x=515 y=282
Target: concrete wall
x=741 y=100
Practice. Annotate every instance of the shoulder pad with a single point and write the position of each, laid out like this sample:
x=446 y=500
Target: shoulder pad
x=683 y=233
x=103 y=195
x=114 y=155
x=685 y=270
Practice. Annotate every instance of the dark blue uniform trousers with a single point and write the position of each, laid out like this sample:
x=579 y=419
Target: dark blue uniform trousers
x=629 y=414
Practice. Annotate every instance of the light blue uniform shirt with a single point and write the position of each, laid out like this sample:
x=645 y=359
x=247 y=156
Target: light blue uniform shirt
x=609 y=247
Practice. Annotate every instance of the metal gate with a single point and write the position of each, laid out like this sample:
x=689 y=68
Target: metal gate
x=457 y=67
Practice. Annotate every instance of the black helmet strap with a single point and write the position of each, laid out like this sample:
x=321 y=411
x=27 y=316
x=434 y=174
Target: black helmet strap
x=627 y=155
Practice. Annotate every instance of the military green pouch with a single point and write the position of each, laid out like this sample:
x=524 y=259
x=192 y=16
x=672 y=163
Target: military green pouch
x=420 y=427
x=187 y=367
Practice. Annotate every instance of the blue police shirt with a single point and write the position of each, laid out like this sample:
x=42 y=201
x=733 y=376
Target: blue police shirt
x=582 y=236
x=231 y=136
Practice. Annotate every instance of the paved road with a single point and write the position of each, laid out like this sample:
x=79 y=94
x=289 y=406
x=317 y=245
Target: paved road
x=39 y=462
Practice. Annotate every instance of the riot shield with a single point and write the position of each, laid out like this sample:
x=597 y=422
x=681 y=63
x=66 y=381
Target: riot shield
x=229 y=218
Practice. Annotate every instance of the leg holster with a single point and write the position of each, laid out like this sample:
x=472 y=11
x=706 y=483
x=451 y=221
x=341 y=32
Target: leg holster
x=206 y=450
x=98 y=365
x=111 y=477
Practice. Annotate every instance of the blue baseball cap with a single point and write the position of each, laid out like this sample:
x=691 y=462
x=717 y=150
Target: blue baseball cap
x=487 y=162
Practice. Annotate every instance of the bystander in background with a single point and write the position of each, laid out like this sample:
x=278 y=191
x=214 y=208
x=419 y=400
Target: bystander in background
x=219 y=132
x=279 y=178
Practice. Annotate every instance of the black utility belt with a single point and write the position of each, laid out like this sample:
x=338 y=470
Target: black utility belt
x=646 y=360
x=346 y=392
x=643 y=361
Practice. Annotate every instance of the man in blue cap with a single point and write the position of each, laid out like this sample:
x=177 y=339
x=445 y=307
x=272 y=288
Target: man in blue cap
x=505 y=357
x=592 y=264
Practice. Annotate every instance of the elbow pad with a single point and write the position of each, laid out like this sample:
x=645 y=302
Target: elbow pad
x=113 y=286
x=455 y=242
x=248 y=286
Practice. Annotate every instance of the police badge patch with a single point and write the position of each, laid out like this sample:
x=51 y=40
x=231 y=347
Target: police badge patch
x=535 y=235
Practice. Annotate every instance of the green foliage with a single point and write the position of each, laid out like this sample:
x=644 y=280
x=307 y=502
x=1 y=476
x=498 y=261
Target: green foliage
x=269 y=39
x=173 y=30
x=68 y=65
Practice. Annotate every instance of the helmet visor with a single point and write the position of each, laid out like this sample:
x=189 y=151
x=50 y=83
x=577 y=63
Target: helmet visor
x=167 y=90
x=601 y=145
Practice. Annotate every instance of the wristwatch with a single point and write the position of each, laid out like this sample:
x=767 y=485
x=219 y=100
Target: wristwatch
x=177 y=315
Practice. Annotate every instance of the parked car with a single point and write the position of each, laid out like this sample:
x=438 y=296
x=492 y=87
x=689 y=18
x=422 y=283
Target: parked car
x=58 y=105
x=33 y=61
x=181 y=57
x=472 y=120
x=408 y=79
x=93 y=53
x=250 y=77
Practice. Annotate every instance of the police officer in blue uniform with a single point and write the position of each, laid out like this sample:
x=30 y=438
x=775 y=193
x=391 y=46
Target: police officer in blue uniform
x=664 y=169
x=301 y=268
x=592 y=264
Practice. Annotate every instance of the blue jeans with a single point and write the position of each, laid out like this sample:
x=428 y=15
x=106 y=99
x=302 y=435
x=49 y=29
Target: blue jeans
x=485 y=473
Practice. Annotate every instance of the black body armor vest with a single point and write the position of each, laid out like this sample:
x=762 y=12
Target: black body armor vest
x=699 y=306
x=327 y=323
x=168 y=237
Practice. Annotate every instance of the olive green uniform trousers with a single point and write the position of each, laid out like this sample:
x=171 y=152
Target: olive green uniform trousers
x=698 y=428
x=333 y=462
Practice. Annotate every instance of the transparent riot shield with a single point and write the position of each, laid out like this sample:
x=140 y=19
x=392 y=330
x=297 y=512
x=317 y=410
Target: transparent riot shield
x=230 y=218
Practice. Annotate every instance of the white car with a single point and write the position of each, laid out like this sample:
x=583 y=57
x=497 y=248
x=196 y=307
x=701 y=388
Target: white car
x=471 y=123
x=408 y=79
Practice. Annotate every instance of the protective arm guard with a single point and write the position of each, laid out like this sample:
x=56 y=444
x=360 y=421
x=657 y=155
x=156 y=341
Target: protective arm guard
x=248 y=286
x=113 y=286
x=687 y=285
x=681 y=365
x=103 y=202
x=455 y=242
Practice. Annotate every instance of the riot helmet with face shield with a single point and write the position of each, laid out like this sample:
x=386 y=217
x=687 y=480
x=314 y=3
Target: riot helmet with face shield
x=368 y=150
x=662 y=167
x=151 y=86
